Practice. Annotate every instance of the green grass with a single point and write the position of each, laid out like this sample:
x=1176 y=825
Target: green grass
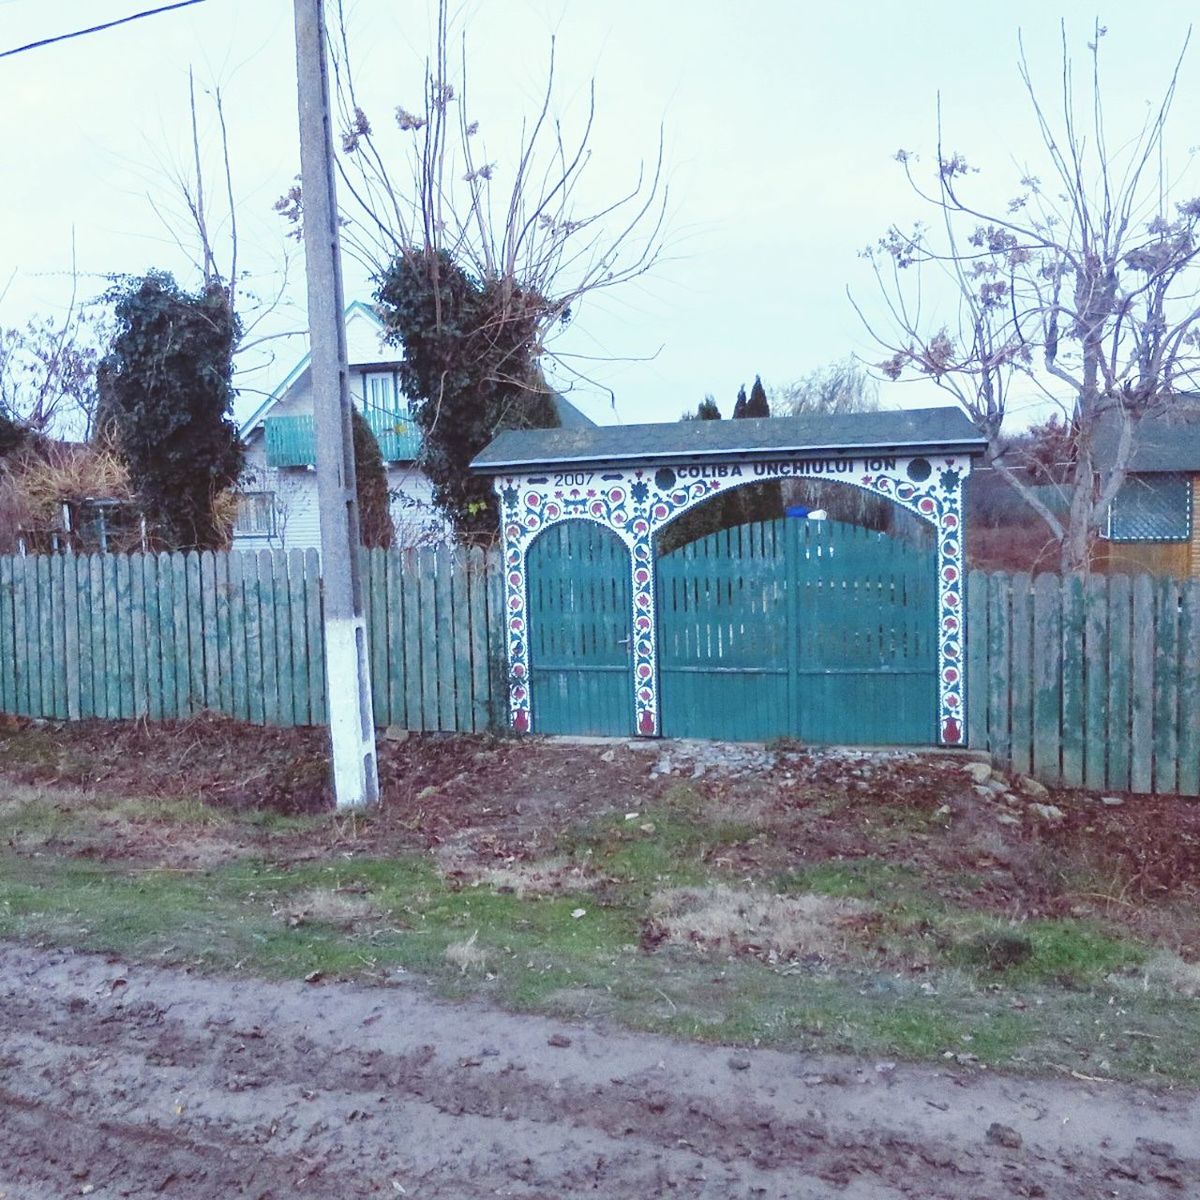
x=540 y=957
x=861 y=878
x=667 y=845
x=1068 y=1004
x=1069 y=952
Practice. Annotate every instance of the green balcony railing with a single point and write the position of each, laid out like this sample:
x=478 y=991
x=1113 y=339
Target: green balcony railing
x=290 y=440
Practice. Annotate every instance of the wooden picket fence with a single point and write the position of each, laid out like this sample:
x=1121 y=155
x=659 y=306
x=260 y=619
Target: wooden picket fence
x=169 y=635
x=1087 y=682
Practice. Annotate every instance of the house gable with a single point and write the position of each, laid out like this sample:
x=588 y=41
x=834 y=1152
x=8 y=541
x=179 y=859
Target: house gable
x=366 y=349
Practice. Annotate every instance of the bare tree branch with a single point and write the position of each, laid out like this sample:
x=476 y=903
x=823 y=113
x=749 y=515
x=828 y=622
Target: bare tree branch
x=1085 y=290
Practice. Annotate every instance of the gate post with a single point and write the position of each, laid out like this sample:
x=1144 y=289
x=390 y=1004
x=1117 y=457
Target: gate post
x=645 y=637
x=950 y=535
x=516 y=634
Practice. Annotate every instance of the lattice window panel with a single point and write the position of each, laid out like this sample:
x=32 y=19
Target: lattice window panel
x=1152 y=508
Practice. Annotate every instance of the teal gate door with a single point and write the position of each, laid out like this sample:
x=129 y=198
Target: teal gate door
x=580 y=603
x=820 y=631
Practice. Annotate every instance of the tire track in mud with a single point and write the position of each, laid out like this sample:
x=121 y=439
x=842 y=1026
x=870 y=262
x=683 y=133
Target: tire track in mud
x=160 y=1083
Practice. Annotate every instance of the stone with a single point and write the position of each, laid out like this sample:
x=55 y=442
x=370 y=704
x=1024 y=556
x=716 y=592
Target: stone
x=1112 y=801
x=1007 y=818
x=980 y=772
x=1004 y=1135
x=1050 y=812
x=395 y=733
x=1030 y=787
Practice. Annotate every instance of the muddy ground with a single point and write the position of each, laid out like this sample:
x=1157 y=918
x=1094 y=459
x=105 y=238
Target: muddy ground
x=122 y=1080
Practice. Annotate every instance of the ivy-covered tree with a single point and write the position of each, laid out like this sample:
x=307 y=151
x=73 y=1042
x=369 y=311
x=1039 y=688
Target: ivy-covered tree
x=13 y=435
x=469 y=371
x=166 y=397
x=375 y=528
x=480 y=255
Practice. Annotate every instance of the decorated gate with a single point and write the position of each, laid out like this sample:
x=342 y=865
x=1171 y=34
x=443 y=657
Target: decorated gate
x=822 y=631
x=868 y=637
x=579 y=630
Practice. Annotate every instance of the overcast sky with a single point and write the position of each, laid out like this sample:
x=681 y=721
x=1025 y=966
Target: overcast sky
x=781 y=118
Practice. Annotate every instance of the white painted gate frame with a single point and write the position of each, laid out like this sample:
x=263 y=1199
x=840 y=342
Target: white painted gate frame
x=637 y=502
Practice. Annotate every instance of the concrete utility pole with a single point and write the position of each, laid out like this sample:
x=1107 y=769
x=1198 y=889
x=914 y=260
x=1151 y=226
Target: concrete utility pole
x=347 y=673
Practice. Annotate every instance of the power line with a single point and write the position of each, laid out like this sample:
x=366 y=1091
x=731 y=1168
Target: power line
x=63 y=37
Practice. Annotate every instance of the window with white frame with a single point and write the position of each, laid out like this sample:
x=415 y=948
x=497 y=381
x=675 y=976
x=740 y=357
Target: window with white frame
x=255 y=514
x=1152 y=508
x=380 y=391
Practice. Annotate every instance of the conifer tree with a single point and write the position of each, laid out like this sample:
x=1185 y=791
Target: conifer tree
x=757 y=405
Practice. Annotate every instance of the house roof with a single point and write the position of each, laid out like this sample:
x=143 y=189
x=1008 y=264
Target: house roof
x=1169 y=442
x=910 y=431
x=569 y=416
x=299 y=371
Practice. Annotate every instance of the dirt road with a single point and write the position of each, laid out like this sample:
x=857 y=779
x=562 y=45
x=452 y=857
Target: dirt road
x=120 y=1080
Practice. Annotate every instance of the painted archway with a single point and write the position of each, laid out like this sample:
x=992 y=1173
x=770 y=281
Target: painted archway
x=636 y=502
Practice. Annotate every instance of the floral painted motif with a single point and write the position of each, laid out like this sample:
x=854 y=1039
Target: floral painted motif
x=635 y=503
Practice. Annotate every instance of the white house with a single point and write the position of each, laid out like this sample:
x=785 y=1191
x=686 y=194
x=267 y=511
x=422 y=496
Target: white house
x=277 y=498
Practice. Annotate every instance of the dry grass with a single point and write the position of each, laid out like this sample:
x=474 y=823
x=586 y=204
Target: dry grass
x=723 y=920
x=466 y=954
x=325 y=906
x=525 y=880
x=179 y=835
x=225 y=505
x=1172 y=972
x=59 y=472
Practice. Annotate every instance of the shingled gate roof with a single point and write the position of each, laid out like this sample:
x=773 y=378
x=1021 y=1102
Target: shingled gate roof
x=912 y=431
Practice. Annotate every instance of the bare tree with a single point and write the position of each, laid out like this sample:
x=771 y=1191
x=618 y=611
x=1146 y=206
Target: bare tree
x=425 y=184
x=198 y=209
x=1083 y=291
x=48 y=372
x=840 y=387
